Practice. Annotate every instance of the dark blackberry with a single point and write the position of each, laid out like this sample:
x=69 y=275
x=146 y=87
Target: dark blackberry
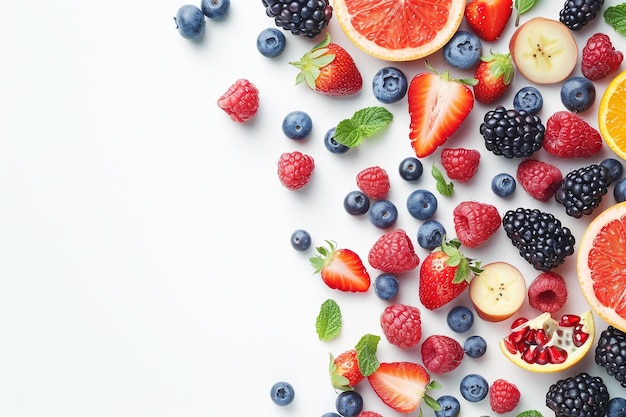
x=512 y=133
x=301 y=17
x=582 y=189
x=540 y=238
x=611 y=353
x=581 y=395
x=577 y=13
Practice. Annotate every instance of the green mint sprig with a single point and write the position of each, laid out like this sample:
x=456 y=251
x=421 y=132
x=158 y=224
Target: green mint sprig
x=615 y=16
x=366 y=354
x=521 y=7
x=328 y=323
x=445 y=188
x=363 y=124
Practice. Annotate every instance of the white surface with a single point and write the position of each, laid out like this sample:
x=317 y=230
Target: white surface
x=145 y=261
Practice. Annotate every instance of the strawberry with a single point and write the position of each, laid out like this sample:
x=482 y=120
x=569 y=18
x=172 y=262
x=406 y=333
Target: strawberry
x=539 y=179
x=599 y=57
x=393 y=253
x=568 y=135
x=444 y=274
x=329 y=69
x=341 y=269
x=373 y=182
x=344 y=371
x=488 y=18
x=295 y=169
x=503 y=396
x=441 y=354
x=494 y=74
x=369 y=414
x=460 y=164
x=475 y=222
x=402 y=325
x=240 y=101
x=438 y=105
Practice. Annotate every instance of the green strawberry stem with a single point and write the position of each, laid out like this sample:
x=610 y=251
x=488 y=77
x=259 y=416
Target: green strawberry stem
x=312 y=62
x=501 y=66
x=466 y=267
x=448 y=77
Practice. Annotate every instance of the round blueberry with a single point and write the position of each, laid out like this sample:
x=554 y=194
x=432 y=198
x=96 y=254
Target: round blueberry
x=578 y=94
x=282 y=393
x=475 y=346
x=332 y=145
x=389 y=85
x=463 y=50
x=460 y=319
x=450 y=406
x=356 y=203
x=349 y=403
x=297 y=125
x=331 y=414
x=503 y=185
x=616 y=407
x=422 y=204
x=386 y=286
x=271 y=42
x=301 y=240
x=529 y=99
x=619 y=190
x=474 y=387
x=410 y=169
x=430 y=234
x=215 y=9
x=383 y=214
x=190 y=22
x=615 y=168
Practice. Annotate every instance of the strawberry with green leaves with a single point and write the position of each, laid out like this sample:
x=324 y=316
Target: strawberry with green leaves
x=344 y=371
x=488 y=18
x=341 y=269
x=494 y=74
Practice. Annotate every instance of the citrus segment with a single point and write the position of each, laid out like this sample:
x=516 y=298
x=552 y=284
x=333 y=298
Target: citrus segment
x=399 y=30
x=611 y=120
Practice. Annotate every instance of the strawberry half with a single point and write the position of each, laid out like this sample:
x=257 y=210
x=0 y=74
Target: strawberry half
x=341 y=269
x=488 y=18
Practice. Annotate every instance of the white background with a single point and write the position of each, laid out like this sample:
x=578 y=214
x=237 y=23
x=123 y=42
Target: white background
x=145 y=264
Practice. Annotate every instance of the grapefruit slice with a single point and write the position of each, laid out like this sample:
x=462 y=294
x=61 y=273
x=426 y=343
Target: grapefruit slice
x=399 y=30
x=601 y=265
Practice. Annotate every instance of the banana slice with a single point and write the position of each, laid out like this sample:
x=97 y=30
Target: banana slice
x=498 y=292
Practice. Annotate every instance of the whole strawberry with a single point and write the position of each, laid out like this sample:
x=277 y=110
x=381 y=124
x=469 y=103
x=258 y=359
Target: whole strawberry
x=344 y=371
x=329 y=69
x=341 y=269
x=475 y=222
x=494 y=74
x=402 y=325
x=393 y=253
x=570 y=136
x=441 y=354
x=503 y=396
x=599 y=57
x=539 y=179
x=240 y=101
x=373 y=182
x=295 y=169
x=488 y=18
x=460 y=164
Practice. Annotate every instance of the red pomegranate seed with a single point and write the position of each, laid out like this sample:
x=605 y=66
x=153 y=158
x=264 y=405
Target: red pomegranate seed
x=579 y=337
x=510 y=346
x=569 y=320
x=518 y=322
x=541 y=338
x=529 y=355
x=557 y=355
x=541 y=356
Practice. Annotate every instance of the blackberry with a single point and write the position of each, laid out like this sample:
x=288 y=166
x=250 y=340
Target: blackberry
x=540 y=238
x=512 y=133
x=301 y=17
x=582 y=189
x=581 y=395
x=577 y=13
x=611 y=353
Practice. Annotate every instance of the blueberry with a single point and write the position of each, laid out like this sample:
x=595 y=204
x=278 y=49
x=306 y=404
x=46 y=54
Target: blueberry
x=474 y=387
x=619 y=192
x=190 y=22
x=503 y=185
x=475 y=346
x=386 y=286
x=410 y=169
x=430 y=234
x=529 y=99
x=389 y=85
x=301 y=240
x=356 y=203
x=349 y=403
x=578 y=94
x=282 y=393
x=460 y=319
x=332 y=145
x=616 y=407
x=422 y=204
x=271 y=42
x=297 y=125
x=615 y=168
x=450 y=406
x=215 y=9
x=463 y=50
x=383 y=214
x=331 y=414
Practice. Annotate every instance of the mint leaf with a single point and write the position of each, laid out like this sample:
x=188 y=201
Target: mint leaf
x=444 y=188
x=522 y=6
x=530 y=413
x=363 y=124
x=615 y=16
x=328 y=322
x=366 y=354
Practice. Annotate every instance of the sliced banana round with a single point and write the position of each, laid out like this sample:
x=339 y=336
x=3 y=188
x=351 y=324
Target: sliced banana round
x=498 y=291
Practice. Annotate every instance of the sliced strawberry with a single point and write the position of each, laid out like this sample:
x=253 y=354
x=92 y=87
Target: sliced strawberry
x=400 y=385
x=341 y=269
x=488 y=18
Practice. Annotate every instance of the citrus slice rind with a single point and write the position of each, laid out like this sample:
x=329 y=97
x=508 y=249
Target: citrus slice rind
x=399 y=30
x=611 y=121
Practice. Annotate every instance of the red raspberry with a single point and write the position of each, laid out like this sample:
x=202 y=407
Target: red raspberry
x=569 y=136
x=547 y=292
x=240 y=101
x=460 y=164
x=441 y=354
x=373 y=182
x=295 y=169
x=539 y=179
x=475 y=222
x=599 y=57
x=402 y=325
x=393 y=253
x=503 y=396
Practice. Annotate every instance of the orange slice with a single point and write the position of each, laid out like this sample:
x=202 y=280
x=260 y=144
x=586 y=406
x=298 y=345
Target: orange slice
x=399 y=30
x=611 y=120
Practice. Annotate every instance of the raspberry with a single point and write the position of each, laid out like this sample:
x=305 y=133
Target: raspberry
x=441 y=354
x=475 y=222
x=599 y=57
x=393 y=253
x=570 y=136
x=539 y=179
x=240 y=101
x=295 y=169
x=547 y=292
x=460 y=164
x=373 y=182
x=503 y=396
x=402 y=325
